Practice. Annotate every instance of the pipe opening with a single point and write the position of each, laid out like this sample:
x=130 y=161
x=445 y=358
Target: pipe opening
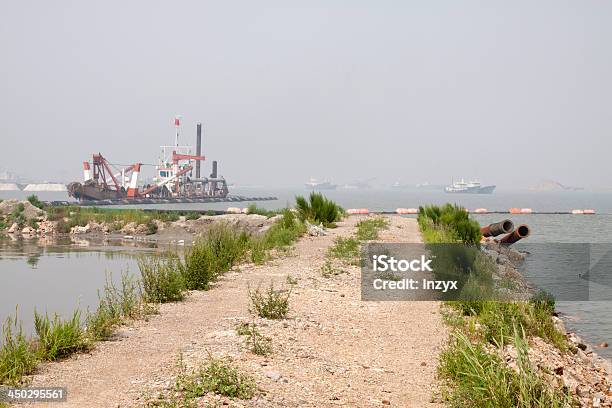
x=507 y=226
x=522 y=231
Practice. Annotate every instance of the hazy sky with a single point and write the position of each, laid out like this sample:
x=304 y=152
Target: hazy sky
x=511 y=91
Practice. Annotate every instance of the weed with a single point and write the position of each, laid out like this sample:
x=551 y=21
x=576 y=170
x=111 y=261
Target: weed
x=270 y=304
x=482 y=379
x=162 y=279
x=213 y=255
x=218 y=375
x=17 y=355
x=192 y=216
x=346 y=249
x=367 y=230
x=256 y=342
x=328 y=270
x=291 y=280
x=59 y=338
x=254 y=209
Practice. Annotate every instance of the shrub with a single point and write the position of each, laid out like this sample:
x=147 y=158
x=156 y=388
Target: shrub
x=33 y=199
x=318 y=209
x=59 y=338
x=271 y=304
x=162 y=279
x=17 y=356
x=213 y=255
x=452 y=219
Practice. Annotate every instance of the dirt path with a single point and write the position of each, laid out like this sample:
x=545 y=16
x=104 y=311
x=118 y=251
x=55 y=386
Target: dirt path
x=333 y=350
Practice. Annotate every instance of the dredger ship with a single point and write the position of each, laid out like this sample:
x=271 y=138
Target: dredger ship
x=174 y=178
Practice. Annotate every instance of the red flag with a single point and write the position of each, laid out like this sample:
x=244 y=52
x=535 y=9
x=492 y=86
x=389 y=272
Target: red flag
x=177 y=121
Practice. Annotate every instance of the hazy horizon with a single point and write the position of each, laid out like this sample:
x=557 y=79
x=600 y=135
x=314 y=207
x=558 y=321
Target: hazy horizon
x=510 y=92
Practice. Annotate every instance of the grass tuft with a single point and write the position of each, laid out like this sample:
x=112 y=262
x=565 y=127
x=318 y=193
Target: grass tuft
x=59 y=338
x=271 y=303
x=17 y=355
x=367 y=230
x=318 y=209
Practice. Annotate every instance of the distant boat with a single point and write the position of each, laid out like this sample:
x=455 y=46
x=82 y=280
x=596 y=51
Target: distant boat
x=469 y=187
x=314 y=184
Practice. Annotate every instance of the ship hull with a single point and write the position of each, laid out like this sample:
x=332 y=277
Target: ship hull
x=472 y=190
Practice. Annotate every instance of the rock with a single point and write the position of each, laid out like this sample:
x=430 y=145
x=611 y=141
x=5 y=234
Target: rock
x=28 y=231
x=386 y=402
x=14 y=228
x=47 y=227
x=129 y=228
x=316 y=230
x=603 y=345
x=77 y=229
x=141 y=229
x=273 y=375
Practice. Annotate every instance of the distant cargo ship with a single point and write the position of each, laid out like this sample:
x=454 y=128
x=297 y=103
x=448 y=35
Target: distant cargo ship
x=470 y=187
x=314 y=184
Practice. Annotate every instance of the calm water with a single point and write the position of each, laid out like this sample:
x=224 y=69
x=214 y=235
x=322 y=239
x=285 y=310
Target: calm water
x=59 y=279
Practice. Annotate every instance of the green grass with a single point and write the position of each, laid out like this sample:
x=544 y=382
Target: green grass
x=318 y=209
x=451 y=221
x=72 y=215
x=192 y=215
x=270 y=303
x=59 y=338
x=33 y=199
x=345 y=249
x=482 y=379
x=116 y=305
x=367 y=230
x=18 y=357
x=162 y=278
x=218 y=376
x=477 y=376
x=254 y=209
x=213 y=255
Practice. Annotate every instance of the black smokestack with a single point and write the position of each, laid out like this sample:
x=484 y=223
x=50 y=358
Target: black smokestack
x=214 y=170
x=198 y=148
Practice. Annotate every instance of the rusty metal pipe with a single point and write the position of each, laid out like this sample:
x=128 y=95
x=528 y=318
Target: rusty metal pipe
x=497 y=228
x=522 y=231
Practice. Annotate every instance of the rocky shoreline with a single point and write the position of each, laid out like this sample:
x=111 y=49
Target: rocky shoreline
x=36 y=223
x=580 y=370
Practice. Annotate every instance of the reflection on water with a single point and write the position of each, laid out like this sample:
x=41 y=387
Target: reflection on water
x=58 y=277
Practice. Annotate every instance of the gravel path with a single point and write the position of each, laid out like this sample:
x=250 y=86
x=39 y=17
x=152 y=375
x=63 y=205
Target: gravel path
x=333 y=350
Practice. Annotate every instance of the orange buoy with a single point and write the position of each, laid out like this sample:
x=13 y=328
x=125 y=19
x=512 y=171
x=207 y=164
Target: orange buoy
x=407 y=210
x=354 y=211
x=514 y=211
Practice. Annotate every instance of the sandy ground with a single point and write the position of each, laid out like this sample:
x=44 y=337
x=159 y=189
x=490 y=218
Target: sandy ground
x=332 y=350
